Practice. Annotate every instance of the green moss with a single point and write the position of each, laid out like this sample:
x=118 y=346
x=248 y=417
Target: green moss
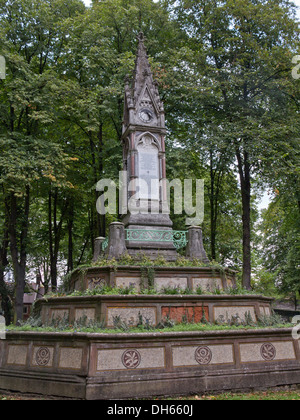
x=141 y=260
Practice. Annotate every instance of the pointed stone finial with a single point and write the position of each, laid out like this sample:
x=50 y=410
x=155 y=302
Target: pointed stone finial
x=142 y=92
x=116 y=244
x=195 y=248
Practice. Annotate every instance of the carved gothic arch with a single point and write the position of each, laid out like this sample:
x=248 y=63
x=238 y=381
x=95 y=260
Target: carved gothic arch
x=153 y=140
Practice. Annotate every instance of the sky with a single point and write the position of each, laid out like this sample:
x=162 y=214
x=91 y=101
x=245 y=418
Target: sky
x=297 y=2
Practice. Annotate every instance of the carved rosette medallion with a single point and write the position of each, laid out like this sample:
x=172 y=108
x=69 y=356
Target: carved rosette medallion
x=268 y=352
x=42 y=356
x=131 y=359
x=203 y=355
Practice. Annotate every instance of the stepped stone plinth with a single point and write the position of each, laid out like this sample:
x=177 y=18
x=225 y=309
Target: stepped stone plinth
x=153 y=310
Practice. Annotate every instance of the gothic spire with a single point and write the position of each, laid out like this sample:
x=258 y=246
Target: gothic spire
x=142 y=72
x=141 y=95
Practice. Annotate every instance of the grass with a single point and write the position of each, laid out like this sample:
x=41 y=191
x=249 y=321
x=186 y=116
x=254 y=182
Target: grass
x=286 y=395
x=139 y=330
x=282 y=395
x=130 y=290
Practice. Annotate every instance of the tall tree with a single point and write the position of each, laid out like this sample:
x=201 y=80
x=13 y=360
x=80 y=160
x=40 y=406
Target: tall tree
x=31 y=36
x=280 y=248
x=242 y=59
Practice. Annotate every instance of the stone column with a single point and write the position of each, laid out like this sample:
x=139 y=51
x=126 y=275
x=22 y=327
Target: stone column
x=195 y=248
x=98 y=248
x=116 y=244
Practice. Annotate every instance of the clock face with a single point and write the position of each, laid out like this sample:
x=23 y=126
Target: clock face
x=146 y=115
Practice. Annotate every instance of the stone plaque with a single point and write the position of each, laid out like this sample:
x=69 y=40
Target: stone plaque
x=17 y=355
x=229 y=283
x=149 y=173
x=82 y=313
x=70 y=358
x=59 y=314
x=227 y=312
x=96 y=282
x=265 y=310
x=203 y=355
x=170 y=282
x=131 y=359
x=132 y=316
x=207 y=284
x=261 y=352
x=124 y=282
x=185 y=313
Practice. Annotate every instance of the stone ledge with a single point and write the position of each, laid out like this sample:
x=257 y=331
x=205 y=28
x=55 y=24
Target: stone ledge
x=80 y=336
x=173 y=298
x=114 y=366
x=152 y=308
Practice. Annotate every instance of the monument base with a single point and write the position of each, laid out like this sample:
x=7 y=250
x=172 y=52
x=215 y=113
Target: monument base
x=120 y=366
x=153 y=310
x=155 y=226
x=208 y=279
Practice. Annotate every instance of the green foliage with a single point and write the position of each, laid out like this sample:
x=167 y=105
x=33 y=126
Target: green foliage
x=166 y=325
x=239 y=105
x=281 y=246
x=224 y=73
x=130 y=290
x=141 y=260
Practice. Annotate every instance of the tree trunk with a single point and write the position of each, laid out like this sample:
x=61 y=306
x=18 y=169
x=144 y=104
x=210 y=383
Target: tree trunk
x=55 y=232
x=19 y=255
x=213 y=210
x=4 y=293
x=101 y=167
x=245 y=180
x=19 y=293
x=52 y=241
x=216 y=181
x=70 y=239
x=51 y=246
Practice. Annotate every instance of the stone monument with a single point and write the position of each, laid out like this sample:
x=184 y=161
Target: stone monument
x=148 y=227
x=144 y=160
x=117 y=366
